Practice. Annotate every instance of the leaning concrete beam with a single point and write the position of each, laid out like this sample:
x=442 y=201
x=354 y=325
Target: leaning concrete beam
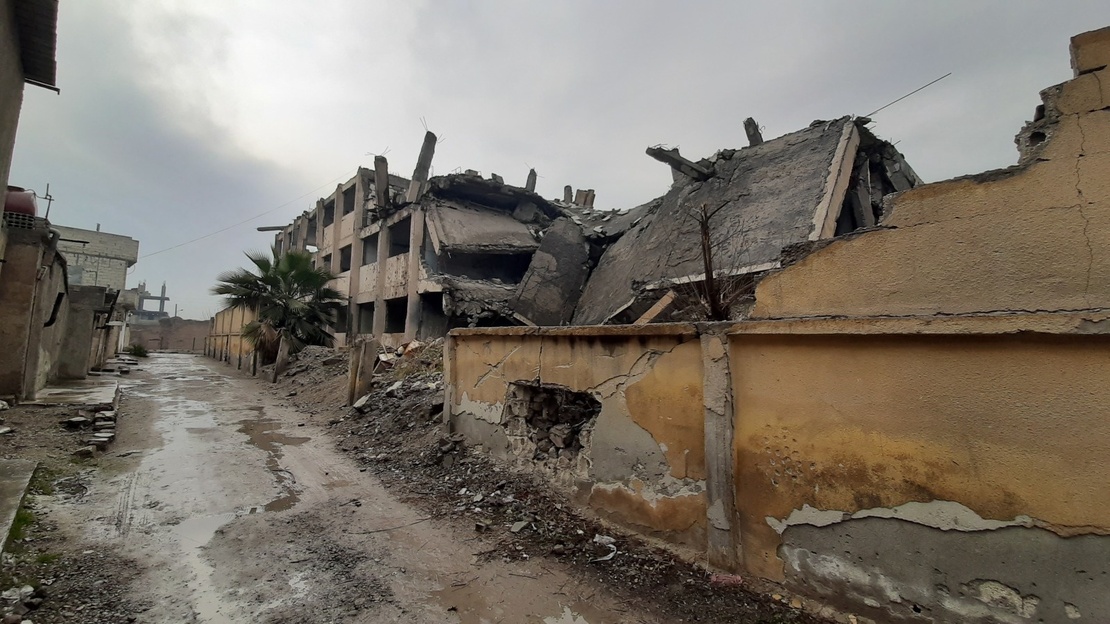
x=676 y=161
x=751 y=128
x=423 y=167
x=381 y=182
x=530 y=185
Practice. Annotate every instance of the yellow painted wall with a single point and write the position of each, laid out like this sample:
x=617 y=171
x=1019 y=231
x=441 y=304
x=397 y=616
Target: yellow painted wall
x=1031 y=239
x=1008 y=425
x=649 y=385
x=225 y=341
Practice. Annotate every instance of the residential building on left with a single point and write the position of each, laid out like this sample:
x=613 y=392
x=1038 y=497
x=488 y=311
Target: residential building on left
x=59 y=316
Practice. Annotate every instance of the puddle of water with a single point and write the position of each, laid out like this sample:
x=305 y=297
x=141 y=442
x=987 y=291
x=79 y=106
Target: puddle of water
x=195 y=533
x=263 y=434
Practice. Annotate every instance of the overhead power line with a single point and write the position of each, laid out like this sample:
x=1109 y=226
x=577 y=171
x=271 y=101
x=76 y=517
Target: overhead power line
x=247 y=220
x=921 y=88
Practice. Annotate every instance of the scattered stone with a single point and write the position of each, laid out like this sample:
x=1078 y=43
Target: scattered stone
x=85 y=451
x=518 y=526
x=4 y=405
x=6 y=431
x=77 y=422
x=362 y=403
x=392 y=390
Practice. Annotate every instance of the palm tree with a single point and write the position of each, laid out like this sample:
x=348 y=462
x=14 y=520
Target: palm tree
x=291 y=300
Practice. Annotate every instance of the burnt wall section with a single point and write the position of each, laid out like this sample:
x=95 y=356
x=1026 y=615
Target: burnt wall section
x=894 y=570
x=556 y=275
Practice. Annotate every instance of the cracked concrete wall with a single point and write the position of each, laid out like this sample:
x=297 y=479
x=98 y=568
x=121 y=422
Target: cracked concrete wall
x=1034 y=237
x=644 y=466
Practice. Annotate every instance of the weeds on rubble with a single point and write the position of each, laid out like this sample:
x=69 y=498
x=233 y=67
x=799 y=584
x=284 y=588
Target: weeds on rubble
x=47 y=558
x=42 y=482
x=24 y=518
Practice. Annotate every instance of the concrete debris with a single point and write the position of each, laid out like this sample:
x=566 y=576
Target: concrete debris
x=463 y=250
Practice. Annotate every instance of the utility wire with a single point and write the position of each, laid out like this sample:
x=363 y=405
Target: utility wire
x=247 y=220
x=908 y=94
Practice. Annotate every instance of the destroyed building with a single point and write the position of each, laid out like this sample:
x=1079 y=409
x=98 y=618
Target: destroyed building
x=419 y=257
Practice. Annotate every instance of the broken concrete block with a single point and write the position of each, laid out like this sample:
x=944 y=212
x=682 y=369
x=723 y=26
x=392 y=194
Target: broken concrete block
x=85 y=452
x=561 y=435
x=550 y=289
x=362 y=404
x=76 y=422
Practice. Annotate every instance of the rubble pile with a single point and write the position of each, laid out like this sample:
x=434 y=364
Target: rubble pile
x=97 y=427
x=398 y=434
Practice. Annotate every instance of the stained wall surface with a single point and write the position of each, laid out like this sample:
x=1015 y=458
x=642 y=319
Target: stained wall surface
x=918 y=426
x=643 y=463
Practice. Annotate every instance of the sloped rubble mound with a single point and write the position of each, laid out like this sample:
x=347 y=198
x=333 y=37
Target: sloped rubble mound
x=398 y=434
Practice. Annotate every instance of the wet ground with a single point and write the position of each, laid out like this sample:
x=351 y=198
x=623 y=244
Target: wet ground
x=237 y=509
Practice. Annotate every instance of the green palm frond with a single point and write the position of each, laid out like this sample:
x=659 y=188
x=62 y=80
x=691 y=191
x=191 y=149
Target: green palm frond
x=288 y=294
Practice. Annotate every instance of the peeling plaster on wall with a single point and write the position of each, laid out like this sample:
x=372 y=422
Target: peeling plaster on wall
x=491 y=413
x=943 y=515
x=893 y=570
x=679 y=515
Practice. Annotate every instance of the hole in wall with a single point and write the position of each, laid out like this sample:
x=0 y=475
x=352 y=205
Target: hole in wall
x=551 y=422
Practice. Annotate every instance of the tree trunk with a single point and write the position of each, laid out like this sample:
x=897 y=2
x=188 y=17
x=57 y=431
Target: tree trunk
x=282 y=361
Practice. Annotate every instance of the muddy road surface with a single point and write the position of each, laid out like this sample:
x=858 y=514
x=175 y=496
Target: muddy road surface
x=233 y=508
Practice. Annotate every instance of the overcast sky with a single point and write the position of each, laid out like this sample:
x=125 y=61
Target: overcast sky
x=178 y=118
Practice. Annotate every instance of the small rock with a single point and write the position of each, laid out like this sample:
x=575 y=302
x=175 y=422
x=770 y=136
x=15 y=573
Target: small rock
x=77 y=422
x=85 y=451
x=332 y=361
x=6 y=431
x=392 y=390
x=11 y=619
x=4 y=405
x=361 y=404
x=519 y=526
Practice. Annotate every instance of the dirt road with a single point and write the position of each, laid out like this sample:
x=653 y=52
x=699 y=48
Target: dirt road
x=237 y=509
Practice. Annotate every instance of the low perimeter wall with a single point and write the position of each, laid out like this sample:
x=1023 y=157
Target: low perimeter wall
x=911 y=469
x=224 y=341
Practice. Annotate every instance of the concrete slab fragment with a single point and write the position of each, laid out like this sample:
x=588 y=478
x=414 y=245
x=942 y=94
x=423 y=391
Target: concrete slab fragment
x=92 y=391
x=15 y=476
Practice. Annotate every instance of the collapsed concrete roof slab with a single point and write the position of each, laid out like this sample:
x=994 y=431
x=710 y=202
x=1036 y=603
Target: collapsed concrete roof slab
x=782 y=192
x=488 y=193
x=460 y=229
x=550 y=289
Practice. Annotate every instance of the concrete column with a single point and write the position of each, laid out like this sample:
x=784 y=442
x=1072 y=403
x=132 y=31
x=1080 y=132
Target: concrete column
x=423 y=166
x=416 y=254
x=337 y=216
x=530 y=185
x=319 y=232
x=356 y=254
x=379 y=298
x=723 y=531
x=381 y=183
x=568 y=194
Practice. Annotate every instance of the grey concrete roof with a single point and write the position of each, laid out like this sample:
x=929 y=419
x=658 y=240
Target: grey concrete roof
x=770 y=194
